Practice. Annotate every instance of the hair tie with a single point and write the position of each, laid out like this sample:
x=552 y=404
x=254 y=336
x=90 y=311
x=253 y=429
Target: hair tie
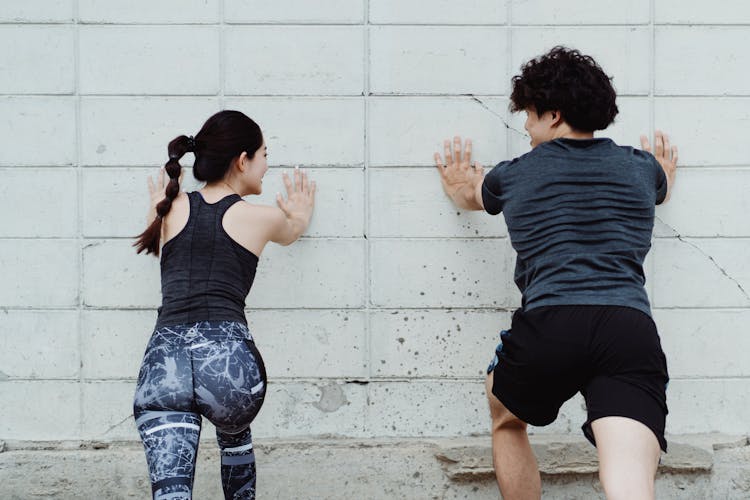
x=191 y=143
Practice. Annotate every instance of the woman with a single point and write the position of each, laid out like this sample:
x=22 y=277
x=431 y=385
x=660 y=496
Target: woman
x=201 y=359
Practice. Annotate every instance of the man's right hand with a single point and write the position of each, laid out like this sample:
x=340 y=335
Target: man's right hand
x=665 y=154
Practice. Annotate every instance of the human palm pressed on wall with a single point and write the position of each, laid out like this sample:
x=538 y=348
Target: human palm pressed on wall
x=201 y=359
x=580 y=215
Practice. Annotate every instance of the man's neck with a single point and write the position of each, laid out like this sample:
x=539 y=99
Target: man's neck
x=567 y=132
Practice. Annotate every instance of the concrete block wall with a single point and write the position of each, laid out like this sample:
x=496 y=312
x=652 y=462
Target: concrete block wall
x=381 y=320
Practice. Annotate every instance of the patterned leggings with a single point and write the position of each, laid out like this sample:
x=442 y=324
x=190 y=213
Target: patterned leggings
x=211 y=369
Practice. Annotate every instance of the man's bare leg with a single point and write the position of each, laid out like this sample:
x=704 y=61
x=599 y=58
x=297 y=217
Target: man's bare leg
x=516 y=469
x=628 y=457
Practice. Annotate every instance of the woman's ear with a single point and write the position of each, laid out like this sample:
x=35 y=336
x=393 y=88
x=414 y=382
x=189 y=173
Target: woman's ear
x=241 y=161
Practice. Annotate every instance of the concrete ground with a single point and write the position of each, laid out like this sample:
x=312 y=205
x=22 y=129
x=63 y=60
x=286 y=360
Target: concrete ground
x=701 y=466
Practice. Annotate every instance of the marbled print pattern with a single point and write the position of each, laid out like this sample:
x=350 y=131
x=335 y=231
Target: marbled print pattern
x=171 y=442
x=211 y=369
x=237 y=464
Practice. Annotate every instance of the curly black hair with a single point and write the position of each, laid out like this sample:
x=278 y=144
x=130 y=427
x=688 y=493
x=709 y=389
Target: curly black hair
x=565 y=80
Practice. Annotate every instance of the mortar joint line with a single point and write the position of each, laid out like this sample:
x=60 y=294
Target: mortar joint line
x=366 y=207
x=652 y=69
x=79 y=205
x=508 y=73
x=651 y=111
x=222 y=54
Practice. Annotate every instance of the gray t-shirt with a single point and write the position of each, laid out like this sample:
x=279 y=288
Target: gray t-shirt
x=580 y=214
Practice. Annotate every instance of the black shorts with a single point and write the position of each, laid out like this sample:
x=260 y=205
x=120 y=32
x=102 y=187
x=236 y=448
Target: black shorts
x=611 y=354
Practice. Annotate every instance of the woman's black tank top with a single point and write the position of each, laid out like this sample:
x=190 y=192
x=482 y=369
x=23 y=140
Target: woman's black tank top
x=205 y=274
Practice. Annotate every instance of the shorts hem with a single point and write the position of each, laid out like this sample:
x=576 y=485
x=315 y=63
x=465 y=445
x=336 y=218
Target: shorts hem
x=589 y=433
x=516 y=409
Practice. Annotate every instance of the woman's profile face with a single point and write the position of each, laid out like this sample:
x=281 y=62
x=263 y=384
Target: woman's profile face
x=256 y=169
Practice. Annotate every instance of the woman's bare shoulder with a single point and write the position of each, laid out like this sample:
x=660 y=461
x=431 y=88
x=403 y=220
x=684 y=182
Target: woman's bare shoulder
x=253 y=225
x=256 y=212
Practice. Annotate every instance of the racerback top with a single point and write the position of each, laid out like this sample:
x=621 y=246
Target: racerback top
x=205 y=274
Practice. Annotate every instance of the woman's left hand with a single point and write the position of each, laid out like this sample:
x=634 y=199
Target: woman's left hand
x=156 y=188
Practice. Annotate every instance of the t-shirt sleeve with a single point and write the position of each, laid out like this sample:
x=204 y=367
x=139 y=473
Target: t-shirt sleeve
x=491 y=190
x=661 y=182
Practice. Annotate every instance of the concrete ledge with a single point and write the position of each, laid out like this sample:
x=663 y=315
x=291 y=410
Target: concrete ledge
x=574 y=455
x=701 y=466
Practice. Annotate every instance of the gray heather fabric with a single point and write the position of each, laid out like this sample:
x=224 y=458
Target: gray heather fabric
x=580 y=214
x=205 y=274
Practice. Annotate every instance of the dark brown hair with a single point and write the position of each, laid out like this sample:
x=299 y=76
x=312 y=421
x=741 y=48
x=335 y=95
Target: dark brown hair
x=565 y=80
x=219 y=142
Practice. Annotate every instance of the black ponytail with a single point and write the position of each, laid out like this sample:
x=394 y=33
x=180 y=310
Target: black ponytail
x=222 y=139
x=149 y=239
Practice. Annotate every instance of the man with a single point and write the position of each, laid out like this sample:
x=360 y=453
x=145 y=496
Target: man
x=580 y=214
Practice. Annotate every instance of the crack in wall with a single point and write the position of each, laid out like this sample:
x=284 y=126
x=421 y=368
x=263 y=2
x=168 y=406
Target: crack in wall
x=502 y=118
x=118 y=423
x=705 y=254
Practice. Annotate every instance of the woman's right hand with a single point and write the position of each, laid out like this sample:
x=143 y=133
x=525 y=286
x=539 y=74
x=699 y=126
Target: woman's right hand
x=298 y=206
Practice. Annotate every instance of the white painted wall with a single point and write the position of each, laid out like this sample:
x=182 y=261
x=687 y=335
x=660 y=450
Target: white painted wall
x=381 y=320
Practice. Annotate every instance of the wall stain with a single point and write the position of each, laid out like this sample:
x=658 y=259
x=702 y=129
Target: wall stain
x=332 y=398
